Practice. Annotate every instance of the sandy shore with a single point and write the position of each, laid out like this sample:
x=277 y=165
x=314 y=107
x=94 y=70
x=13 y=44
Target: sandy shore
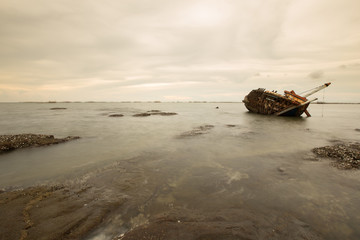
x=48 y=213
x=71 y=210
x=83 y=209
x=111 y=203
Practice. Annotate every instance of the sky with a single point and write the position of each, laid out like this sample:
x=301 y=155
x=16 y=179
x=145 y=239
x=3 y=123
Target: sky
x=177 y=50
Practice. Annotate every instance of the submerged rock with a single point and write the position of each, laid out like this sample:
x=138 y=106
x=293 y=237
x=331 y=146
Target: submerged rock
x=198 y=131
x=154 y=112
x=164 y=113
x=13 y=142
x=58 y=108
x=116 y=115
x=142 y=115
x=346 y=155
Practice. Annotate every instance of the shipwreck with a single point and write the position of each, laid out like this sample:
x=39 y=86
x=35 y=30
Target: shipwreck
x=272 y=103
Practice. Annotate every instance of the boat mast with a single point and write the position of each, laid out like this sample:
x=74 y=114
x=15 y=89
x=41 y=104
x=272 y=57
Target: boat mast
x=317 y=89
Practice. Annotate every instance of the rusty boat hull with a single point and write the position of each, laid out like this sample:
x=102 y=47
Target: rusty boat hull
x=271 y=103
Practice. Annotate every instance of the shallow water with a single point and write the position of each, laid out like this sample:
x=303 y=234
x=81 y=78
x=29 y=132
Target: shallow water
x=244 y=160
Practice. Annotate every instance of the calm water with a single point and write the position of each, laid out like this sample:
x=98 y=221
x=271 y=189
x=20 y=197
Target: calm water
x=236 y=161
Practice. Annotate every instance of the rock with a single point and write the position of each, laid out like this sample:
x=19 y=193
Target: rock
x=154 y=112
x=357 y=129
x=142 y=115
x=58 y=108
x=13 y=142
x=346 y=155
x=116 y=115
x=164 y=113
x=198 y=131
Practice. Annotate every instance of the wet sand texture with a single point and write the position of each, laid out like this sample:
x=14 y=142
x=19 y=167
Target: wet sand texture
x=13 y=142
x=346 y=155
x=49 y=213
x=76 y=210
x=228 y=224
x=85 y=206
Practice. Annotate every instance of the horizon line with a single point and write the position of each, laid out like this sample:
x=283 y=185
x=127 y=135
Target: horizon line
x=54 y=102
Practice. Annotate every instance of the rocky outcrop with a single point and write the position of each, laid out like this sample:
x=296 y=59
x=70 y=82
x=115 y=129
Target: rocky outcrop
x=142 y=115
x=154 y=112
x=13 y=142
x=204 y=129
x=116 y=115
x=346 y=155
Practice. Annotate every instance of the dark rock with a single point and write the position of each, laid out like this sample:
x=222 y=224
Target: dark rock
x=164 y=113
x=58 y=108
x=13 y=142
x=198 y=131
x=357 y=129
x=154 y=112
x=142 y=115
x=346 y=155
x=116 y=115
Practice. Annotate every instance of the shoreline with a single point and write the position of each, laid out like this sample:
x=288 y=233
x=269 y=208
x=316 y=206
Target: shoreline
x=81 y=208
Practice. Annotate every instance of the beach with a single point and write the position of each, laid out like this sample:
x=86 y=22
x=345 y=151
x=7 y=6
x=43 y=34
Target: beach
x=230 y=175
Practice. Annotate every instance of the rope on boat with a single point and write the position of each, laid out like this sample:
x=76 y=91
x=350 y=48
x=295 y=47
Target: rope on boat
x=307 y=91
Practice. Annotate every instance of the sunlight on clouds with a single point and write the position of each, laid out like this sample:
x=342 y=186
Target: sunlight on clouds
x=11 y=87
x=75 y=84
x=176 y=50
x=177 y=98
x=150 y=85
x=205 y=14
x=161 y=85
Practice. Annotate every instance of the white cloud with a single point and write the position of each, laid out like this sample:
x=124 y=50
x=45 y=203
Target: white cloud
x=91 y=50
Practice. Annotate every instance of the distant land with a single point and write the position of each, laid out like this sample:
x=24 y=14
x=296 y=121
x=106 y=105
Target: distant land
x=53 y=102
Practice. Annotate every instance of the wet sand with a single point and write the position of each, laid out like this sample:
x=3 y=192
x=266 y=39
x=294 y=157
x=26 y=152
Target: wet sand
x=227 y=224
x=85 y=208
x=71 y=210
x=46 y=212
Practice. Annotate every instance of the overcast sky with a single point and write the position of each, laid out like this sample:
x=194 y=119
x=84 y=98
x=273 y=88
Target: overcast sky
x=177 y=50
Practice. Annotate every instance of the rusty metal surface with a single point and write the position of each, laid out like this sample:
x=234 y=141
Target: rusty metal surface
x=268 y=103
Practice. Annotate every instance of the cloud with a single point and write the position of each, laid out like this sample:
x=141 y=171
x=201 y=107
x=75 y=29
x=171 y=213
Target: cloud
x=316 y=74
x=91 y=48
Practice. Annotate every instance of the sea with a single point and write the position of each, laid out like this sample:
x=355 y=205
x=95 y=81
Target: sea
x=216 y=154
